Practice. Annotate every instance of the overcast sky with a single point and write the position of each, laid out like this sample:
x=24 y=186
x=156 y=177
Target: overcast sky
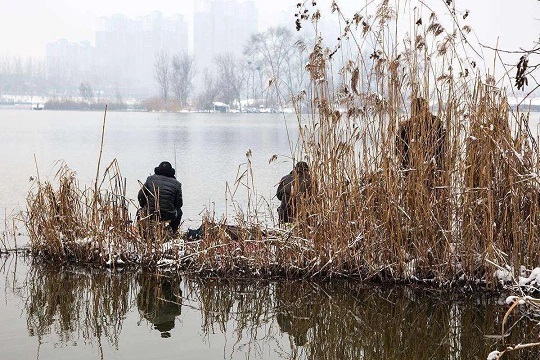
x=26 y=25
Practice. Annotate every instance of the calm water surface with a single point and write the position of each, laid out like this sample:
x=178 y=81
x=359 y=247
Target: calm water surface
x=68 y=313
x=209 y=151
x=73 y=313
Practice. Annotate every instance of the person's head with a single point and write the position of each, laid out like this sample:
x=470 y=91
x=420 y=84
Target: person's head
x=164 y=169
x=301 y=167
x=419 y=106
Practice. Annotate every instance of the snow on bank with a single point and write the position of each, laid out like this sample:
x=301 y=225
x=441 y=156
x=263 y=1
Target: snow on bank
x=524 y=282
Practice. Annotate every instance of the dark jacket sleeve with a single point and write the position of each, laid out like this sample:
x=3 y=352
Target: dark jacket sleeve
x=178 y=198
x=280 y=192
x=141 y=196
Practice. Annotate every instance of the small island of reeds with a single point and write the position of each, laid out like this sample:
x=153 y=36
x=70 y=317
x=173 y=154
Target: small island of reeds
x=394 y=197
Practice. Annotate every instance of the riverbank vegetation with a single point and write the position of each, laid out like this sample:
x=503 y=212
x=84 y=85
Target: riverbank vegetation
x=458 y=209
x=445 y=194
x=71 y=104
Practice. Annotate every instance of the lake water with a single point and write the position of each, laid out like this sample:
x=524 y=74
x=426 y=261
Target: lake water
x=73 y=313
x=207 y=150
x=69 y=313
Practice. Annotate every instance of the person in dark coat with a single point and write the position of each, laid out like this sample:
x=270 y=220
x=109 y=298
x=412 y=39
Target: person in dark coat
x=291 y=187
x=423 y=134
x=162 y=188
x=159 y=301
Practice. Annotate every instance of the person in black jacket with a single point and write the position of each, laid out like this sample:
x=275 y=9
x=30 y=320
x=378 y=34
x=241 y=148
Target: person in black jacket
x=292 y=186
x=162 y=195
x=160 y=301
x=423 y=134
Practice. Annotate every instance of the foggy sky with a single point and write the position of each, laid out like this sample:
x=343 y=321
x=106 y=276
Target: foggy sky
x=27 y=25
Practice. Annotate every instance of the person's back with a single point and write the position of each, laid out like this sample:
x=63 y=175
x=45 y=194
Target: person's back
x=162 y=194
x=423 y=137
x=293 y=185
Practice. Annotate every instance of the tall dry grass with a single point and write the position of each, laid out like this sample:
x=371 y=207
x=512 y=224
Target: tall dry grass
x=369 y=215
x=68 y=222
x=443 y=216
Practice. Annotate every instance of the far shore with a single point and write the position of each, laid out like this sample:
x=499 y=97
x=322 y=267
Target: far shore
x=126 y=108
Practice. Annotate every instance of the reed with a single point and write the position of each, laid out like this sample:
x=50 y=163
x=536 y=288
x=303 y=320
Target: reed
x=90 y=225
x=401 y=192
x=468 y=192
x=528 y=309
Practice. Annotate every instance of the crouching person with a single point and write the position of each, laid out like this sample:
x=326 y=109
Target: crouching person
x=421 y=139
x=161 y=196
x=291 y=187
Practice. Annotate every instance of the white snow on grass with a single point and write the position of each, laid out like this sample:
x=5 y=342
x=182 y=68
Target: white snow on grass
x=504 y=275
x=532 y=280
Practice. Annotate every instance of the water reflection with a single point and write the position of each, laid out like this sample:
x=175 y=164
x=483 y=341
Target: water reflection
x=246 y=305
x=159 y=301
x=296 y=309
x=71 y=304
x=124 y=314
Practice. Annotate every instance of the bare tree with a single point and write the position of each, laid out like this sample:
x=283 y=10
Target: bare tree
x=183 y=73
x=85 y=90
x=21 y=76
x=162 y=73
x=209 y=94
x=254 y=70
x=280 y=56
x=231 y=76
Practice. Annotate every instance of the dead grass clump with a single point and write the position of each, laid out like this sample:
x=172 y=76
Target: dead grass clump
x=88 y=225
x=463 y=192
x=419 y=171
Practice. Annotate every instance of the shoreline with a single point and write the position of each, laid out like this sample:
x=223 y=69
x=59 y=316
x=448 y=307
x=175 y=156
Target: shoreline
x=460 y=287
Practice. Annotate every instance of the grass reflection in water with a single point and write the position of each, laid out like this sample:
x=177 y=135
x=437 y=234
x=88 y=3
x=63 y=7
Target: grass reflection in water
x=339 y=320
x=88 y=305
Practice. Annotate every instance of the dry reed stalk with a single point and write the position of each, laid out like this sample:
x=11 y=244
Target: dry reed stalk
x=526 y=304
x=4 y=235
x=480 y=201
x=71 y=223
x=466 y=195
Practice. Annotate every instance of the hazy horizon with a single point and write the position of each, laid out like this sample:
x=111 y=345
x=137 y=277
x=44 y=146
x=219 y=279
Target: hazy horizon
x=27 y=25
x=130 y=56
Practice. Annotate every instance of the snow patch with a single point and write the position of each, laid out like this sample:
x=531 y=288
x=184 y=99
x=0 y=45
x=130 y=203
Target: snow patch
x=511 y=299
x=532 y=279
x=504 y=275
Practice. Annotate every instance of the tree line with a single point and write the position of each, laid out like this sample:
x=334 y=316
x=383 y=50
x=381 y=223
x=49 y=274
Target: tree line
x=271 y=67
x=21 y=75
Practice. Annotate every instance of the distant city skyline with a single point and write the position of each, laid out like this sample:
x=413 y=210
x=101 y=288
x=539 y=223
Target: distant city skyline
x=123 y=56
x=27 y=25
x=118 y=54
x=81 y=25
x=222 y=27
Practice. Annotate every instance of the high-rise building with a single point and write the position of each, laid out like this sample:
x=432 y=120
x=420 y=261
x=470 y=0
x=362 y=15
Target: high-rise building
x=126 y=50
x=68 y=63
x=124 y=56
x=222 y=26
